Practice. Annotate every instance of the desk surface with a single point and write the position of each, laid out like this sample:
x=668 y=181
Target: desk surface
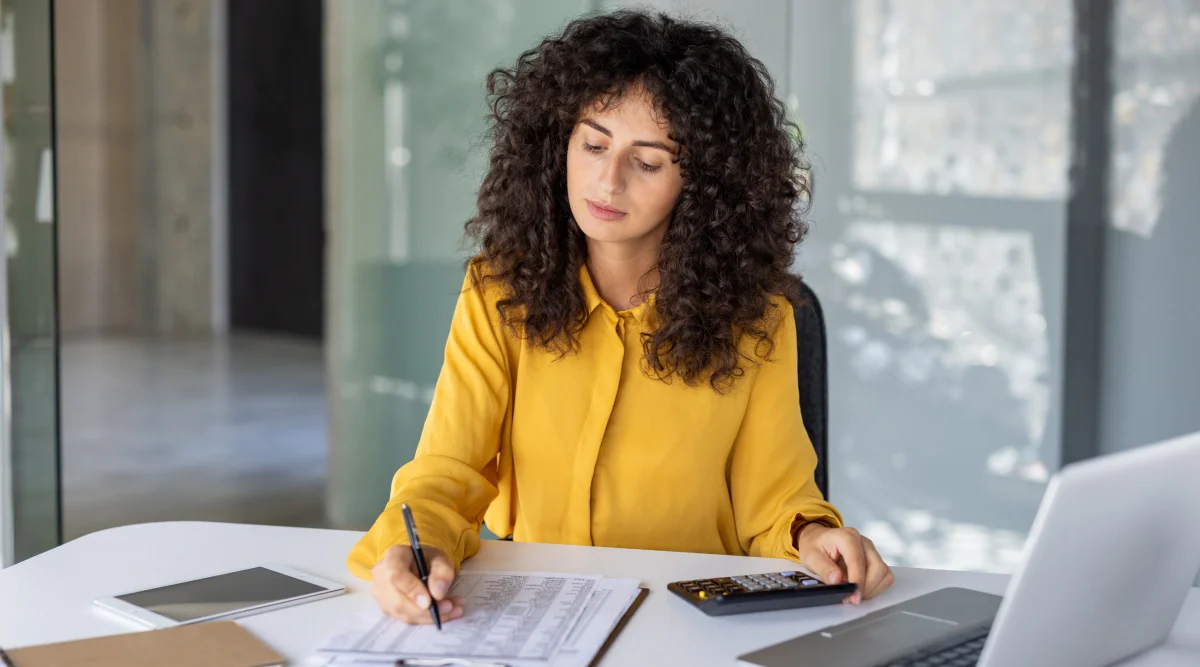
x=49 y=598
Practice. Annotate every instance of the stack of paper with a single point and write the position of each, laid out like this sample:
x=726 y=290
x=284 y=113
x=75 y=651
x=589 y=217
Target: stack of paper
x=515 y=619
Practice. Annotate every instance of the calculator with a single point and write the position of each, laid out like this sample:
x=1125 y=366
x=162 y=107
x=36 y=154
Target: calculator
x=759 y=592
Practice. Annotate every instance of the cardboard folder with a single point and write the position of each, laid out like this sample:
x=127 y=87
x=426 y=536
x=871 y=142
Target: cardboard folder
x=216 y=644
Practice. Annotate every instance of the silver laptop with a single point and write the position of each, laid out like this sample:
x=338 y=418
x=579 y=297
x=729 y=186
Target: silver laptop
x=1110 y=559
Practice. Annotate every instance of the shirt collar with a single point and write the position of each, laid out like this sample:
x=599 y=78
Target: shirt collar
x=590 y=296
x=593 y=300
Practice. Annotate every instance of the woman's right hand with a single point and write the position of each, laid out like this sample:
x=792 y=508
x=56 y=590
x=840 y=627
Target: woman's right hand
x=399 y=591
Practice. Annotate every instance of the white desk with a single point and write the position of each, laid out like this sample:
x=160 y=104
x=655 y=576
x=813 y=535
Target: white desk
x=49 y=598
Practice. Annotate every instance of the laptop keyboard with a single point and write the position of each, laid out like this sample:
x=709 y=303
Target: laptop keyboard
x=964 y=652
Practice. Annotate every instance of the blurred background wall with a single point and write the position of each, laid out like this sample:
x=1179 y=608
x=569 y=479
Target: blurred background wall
x=190 y=260
x=136 y=139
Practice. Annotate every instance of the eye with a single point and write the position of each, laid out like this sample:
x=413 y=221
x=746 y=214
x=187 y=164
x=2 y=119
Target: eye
x=592 y=149
x=648 y=168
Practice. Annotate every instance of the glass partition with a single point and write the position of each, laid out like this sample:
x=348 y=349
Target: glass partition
x=406 y=119
x=940 y=133
x=29 y=460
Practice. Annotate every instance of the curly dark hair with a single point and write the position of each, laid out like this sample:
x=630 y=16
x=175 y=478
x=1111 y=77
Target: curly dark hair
x=739 y=216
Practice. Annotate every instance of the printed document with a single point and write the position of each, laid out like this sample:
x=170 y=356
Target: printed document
x=512 y=618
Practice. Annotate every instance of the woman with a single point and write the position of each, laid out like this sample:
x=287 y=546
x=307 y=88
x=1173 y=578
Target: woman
x=621 y=364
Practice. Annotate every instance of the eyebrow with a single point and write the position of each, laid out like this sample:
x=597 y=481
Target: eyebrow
x=608 y=133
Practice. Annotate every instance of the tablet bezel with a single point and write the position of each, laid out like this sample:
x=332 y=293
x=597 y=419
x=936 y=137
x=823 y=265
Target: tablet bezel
x=149 y=618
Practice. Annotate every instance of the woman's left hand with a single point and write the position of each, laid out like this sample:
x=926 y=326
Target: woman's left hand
x=842 y=554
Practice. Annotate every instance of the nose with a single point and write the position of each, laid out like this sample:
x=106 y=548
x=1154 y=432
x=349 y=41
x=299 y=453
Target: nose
x=612 y=175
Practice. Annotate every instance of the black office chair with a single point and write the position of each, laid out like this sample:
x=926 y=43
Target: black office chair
x=814 y=379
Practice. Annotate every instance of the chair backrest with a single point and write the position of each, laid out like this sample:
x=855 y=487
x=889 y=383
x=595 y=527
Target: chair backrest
x=814 y=379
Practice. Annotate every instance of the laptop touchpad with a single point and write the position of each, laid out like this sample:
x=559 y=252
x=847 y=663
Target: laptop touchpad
x=867 y=641
x=885 y=634
x=893 y=630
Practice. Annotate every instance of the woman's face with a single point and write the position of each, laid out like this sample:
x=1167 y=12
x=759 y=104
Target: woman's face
x=622 y=179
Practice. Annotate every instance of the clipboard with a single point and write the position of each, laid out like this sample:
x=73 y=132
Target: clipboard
x=612 y=636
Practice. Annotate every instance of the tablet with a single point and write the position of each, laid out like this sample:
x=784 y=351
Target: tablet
x=223 y=596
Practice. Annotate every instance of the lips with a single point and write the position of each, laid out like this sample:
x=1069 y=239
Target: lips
x=602 y=212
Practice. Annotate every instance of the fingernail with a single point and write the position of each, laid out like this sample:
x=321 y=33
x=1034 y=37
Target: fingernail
x=445 y=607
x=457 y=613
x=422 y=601
x=833 y=577
x=438 y=589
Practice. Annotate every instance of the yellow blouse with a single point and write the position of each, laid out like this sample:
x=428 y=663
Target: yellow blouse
x=587 y=449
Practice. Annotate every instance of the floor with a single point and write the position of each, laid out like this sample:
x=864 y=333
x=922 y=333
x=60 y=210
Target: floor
x=232 y=429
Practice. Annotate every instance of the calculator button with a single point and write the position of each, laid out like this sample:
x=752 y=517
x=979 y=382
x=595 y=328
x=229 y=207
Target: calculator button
x=787 y=574
x=790 y=584
x=810 y=582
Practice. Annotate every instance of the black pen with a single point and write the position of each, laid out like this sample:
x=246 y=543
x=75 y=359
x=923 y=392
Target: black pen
x=419 y=556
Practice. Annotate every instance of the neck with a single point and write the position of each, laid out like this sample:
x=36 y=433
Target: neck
x=620 y=275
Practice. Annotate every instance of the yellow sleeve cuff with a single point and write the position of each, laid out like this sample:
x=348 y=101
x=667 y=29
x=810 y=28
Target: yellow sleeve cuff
x=785 y=547
x=389 y=531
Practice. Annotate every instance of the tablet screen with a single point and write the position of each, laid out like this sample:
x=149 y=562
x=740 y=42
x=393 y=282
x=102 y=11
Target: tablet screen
x=221 y=594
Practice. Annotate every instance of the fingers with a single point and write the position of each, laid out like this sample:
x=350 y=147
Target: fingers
x=441 y=574
x=390 y=583
x=849 y=545
x=879 y=575
x=820 y=564
x=844 y=555
x=399 y=591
